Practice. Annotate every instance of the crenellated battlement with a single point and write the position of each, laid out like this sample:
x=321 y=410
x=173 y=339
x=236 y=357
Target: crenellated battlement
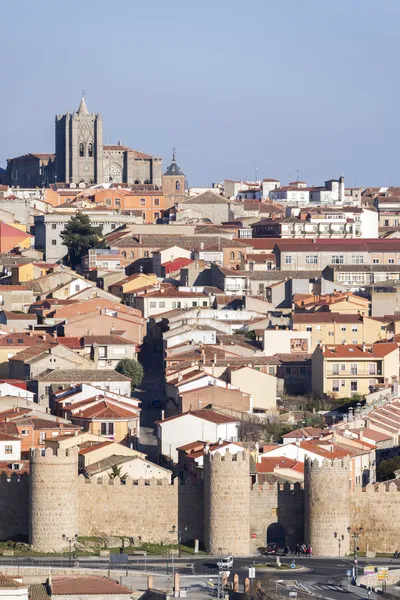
x=335 y=463
x=128 y=482
x=217 y=457
x=378 y=488
x=67 y=456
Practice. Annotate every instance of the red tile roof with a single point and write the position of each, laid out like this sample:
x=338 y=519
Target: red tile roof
x=353 y=351
x=206 y=414
x=79 y=585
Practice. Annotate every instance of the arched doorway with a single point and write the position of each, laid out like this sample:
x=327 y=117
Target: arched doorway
x=276 y=533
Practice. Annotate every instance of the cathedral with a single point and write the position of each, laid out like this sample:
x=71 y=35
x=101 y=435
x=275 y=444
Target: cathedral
x=82 y=158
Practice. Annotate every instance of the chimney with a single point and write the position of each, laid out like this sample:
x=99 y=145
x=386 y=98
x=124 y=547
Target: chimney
x=364 y=347
x=220 y=441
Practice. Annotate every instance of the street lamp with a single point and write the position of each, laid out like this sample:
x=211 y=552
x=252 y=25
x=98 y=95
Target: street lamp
x=355 y=534
x=339 y=538
x=180 y=531
x=173 y=530
x=70 y=541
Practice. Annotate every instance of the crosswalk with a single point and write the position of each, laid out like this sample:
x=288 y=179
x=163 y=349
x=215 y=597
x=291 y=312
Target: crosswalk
x=320 y=589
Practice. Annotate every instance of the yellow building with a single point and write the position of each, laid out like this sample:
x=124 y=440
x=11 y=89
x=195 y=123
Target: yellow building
x=338 y=302
x=337 y=328
x=26 y=272
x=132 y=283
x=342 y=371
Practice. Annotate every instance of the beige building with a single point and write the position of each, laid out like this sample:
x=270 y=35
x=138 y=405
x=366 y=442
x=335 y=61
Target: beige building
x=343 y=371
x=260 y=386
x=336 y=328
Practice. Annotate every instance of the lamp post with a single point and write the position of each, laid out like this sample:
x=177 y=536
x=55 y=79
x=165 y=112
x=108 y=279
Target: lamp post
x=180 y=531
x=339 y=538
x=70 y=541
x=355 y=534
x=173 y=530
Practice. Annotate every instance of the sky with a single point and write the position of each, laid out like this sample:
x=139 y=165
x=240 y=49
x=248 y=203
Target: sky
x=272 y=88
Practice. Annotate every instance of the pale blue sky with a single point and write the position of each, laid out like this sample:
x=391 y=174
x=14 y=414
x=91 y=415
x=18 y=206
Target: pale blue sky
x=283 y=85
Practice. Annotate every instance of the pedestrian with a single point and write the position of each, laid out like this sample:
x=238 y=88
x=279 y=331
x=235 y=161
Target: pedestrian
x=309 y=551
x=304 y=550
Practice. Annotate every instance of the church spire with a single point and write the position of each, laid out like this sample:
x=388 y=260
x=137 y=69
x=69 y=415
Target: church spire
x=82 y=110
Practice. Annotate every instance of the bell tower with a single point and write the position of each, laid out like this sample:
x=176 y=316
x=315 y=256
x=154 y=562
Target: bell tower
x=173 y=183
x=79 y=146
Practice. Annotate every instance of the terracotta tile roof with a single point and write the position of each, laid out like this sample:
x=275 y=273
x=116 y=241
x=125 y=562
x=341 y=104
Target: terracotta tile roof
x=79 y=585
x=82 y=375
x=304 y=433
x=208 y=415
x=354 y=351
x=12 y=316
x=324 y=317
x=268 y=464
x=112 y=340
x=107 y=410
x=13 y=339
x=174 y=265
x=7 y=583
x=98 y=446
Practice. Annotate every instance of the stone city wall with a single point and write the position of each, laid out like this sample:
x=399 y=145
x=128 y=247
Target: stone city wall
x=291 y=512
x=263 y=512
x=376 y=509
x=145 y=510
x=14 y=507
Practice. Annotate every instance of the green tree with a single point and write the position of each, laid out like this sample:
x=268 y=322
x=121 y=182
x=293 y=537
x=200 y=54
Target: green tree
x=116 y=472
x=386 y=469
x=131 y=368
x=80 y=236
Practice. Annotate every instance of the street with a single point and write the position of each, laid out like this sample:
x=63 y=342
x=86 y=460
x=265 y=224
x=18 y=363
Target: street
x=322 y=577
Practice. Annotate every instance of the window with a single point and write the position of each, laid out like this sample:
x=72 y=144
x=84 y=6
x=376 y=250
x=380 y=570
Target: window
x=240 y=255
x=146 y=254
x=337 y=259
x=117 y=201
x=288 y=260
x=354 y=328
x=142 y=201
x=25 y=432
x=112 y=225
x=372 y=382
x=161 y=304
x=353 y=369
x=81 y=150
x=335 y=385
x=144 y=216
x=330 y=333
x=357 y=259
x=335 y=369
x=312 y=259
x=108 y=201
x=343 y=328
x=123 y=253
x=309 y=328
x=372 y=369
x=77 y=287
x=8 y=449
x=386 y=223
x=343 y=383
x=90 y=149
x=375 y=261
x=353 y=385
x=156 y=201
x=288 y=370
x=271 y=370
x=107 y=428
x=54 y=242
x=177 y=185
x=153 y=304
x=205 y=303
x=231 y=256
x=131 y=254
x=47 y=390
x=194 y=303
x=156 y=216
x=318 y=328
x=102 y=351
x=391 y=261
x=53 y=226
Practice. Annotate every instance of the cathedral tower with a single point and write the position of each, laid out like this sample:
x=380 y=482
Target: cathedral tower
x=173 y=183
x=79 y=146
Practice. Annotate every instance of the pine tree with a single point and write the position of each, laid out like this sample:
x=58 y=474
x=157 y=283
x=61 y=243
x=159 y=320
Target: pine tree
x=80 y=236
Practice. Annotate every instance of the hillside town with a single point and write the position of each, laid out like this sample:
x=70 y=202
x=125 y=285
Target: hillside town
x=212 y=367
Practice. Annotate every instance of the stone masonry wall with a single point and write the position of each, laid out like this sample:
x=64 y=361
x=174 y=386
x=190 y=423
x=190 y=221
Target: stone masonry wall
x=134 y=509
x=191 y=510
x=14 y=507
x=263 y=512
x=54 y=498
x=327 y=506
x=227 y=503
x=291 y=512
x=376 y=509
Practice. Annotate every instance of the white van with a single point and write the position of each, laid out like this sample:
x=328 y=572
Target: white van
x=225 y=563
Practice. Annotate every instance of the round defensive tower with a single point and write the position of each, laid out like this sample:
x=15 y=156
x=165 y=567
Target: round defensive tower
x=53 y=499
x=227 y=503
x=327 y=506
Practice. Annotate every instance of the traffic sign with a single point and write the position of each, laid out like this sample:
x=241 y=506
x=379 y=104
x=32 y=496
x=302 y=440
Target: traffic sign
x=348 y=573
x=369 y=570
x=293 y=565
x=383 y=573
